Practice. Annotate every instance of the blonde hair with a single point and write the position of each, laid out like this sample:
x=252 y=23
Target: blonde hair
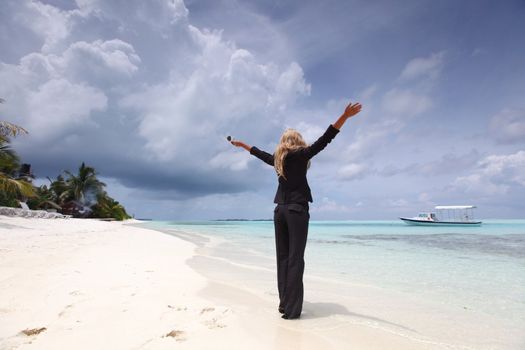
x=291 y=140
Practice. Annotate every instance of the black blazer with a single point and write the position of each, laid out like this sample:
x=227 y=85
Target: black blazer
x=295 y=189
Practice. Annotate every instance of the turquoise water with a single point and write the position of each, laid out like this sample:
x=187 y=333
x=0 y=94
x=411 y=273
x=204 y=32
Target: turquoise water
x=477 y=268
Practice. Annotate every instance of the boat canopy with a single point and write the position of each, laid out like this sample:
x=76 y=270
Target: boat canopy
x=440 y=207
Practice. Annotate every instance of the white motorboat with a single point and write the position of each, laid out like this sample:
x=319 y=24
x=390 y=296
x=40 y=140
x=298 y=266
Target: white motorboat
x=445 y=215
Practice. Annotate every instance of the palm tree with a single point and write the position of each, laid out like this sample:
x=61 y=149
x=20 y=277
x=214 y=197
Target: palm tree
x=85 y=186
x=107 y=207
x=10 y=186
x=59 y=189
x=43 y=199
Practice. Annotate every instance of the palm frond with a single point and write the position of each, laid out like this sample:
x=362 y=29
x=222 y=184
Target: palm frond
x=8 y=129
x=10 y=185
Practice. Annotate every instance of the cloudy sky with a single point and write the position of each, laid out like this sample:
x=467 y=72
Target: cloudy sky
x=147 y=91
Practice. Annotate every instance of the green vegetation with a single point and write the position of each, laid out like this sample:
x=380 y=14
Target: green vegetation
x=107 y=207
x=10 y=185
x=80 y=194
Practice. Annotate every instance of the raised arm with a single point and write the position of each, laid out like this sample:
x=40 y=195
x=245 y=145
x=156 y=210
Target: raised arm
x=264 y=156
x=332 y=131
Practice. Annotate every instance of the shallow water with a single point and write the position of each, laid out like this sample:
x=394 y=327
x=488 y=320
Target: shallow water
x=475 y=268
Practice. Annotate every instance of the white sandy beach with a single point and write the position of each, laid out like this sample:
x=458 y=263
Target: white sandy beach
x=109 y=285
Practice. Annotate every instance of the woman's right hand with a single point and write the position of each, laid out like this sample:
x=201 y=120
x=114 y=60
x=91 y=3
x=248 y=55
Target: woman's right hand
x=240 y=144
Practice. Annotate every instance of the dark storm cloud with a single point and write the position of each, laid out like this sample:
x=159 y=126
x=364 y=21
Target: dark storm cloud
x=114 y=157
x=141 y=95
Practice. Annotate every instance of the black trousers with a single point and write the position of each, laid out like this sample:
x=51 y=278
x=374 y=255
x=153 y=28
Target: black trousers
x=291 y=231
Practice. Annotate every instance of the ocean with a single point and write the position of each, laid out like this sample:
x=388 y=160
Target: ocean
x=478 y=268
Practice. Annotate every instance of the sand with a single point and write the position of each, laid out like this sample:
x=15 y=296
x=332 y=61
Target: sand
x=99 y=285
x=88 y=284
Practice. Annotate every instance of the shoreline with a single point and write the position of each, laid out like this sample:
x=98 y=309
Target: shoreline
x=121 y=285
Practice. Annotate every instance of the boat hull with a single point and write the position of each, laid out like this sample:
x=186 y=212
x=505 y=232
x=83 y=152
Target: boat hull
x=440 y=223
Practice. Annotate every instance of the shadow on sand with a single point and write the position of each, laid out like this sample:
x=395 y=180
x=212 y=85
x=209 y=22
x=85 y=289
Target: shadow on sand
x=320 y=310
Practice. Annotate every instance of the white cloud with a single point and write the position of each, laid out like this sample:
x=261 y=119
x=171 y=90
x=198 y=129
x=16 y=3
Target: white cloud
x=405 y=103
x=233 y=160
x=159 y=14
x=400 y=202
x=369 y=139
x=505 y=167
x=227 y=89
x=352 y=171
x=101 y=57
x=328 y=205
x=424 y=197
x=508 y=126
x=478 y=184
x=424 y=67
x=386 y=115
x=496 y=174
x=478 y=51
x=289 y=85
x=309 y=131
x=47 y=21
x=95 y=62
x=368 y=93
x=59 y=104
x=50 y=93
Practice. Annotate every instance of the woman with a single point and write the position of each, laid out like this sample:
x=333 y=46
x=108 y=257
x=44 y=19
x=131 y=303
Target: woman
x=291 y=161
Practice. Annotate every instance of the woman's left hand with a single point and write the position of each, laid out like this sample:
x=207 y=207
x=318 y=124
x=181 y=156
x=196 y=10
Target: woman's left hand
x=352 y=109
